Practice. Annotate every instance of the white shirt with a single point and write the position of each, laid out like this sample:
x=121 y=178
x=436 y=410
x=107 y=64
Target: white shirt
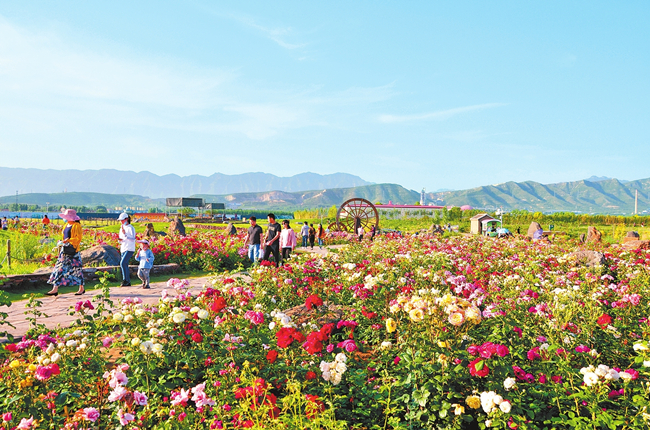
x=127 y=238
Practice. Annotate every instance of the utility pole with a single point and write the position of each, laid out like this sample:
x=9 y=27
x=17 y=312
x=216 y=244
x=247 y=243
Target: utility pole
x=636 y=202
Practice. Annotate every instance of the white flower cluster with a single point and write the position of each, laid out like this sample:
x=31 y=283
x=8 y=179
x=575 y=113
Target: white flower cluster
x=349 y=266
x=131 y=307
x=280 y=318
x=148 y=346
x=594 y=375
x=509 y=383
x=201 y=313
x=153 y=327
x=333 y=372
x=178 y=316
x=490 y=400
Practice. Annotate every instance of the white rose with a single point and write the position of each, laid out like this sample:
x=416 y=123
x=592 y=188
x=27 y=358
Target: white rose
x=271 y=325
x=509 y=383
x=55 y=357
x=178 y=317
x=646 y=363
x=146 y=347
x=135 y=341
x=640 y=347
x=71 y=343
x=50 y=349
x=625 y=376
x=195 y=309
x=82 y=346
x=128 y=318
x=118 y=316
x=590 y=379
x=505 y=407
x=157 y=348
x=139 y=312
x=153 y=331
x=341 y=357
x=46 y=362
x=203 y=314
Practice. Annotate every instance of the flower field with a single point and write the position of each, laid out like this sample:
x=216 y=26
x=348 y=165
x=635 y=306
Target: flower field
x=402 y=333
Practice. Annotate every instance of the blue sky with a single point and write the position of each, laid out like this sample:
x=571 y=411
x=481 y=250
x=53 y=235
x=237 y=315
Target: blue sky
x=423 y=94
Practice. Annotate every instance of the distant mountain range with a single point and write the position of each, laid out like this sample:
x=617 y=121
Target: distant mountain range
x=601 y=196
x=148 y=184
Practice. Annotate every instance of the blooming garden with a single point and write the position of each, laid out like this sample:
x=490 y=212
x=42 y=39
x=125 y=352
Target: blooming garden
x=400 y=333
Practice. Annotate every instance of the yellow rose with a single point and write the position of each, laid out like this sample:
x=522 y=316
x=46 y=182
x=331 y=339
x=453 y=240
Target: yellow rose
x=473 y=314
x=391 y=325
x=443 y=344
x=26 y=383
x=31 y=368
x=473 y=402
x=458 y=409
x=14 y=364
x=416 y=315
x=456 y=318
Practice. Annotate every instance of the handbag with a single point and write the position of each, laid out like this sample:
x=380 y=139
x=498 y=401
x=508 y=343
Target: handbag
x=68 y=249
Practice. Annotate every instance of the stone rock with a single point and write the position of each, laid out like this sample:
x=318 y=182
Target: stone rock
x=231 y=229
x=534 y=226
x=176 y=227
x=588 y=258
x=582 y=238
x=631 y=236
x=593 y=235
x=629 y=245
x=100 y=255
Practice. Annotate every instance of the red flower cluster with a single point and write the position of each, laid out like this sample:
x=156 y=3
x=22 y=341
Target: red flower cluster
x=315 y=339
x=259 y=395
x=286 y=336
x=272 y=355
x=479 y=368
x=314 y=406
x=313 y=301
x=604 y=321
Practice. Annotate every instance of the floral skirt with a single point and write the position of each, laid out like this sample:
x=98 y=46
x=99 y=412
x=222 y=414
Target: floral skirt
x=67 y=271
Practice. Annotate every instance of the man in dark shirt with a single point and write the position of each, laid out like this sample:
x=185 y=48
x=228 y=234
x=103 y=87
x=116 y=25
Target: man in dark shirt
x=253 y=239
x=272 y=240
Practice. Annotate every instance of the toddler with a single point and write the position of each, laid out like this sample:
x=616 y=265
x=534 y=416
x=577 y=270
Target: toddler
x=145 y=257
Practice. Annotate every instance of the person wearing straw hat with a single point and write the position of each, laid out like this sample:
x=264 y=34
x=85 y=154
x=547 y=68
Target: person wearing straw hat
x=145 y=257
x=68 y=269
x=127 y=247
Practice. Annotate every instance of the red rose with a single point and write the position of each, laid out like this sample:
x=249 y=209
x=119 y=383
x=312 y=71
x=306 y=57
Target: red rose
x=272 y=355
x=310 y=375
x=218 y=304
x=479 y=368
x=197 y=337
x=604 y=321
x=313 y=301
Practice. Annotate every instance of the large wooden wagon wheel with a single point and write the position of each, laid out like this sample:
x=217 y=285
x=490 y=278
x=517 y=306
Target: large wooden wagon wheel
x=357 y=212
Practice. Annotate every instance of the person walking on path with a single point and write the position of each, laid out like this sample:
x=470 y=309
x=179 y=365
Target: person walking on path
x=373 y=232
x=287 y=240
x=320 y=234
x=145 y=257
x=312 y=235
x=5 y=226
x=127 y=247
x=272 y=240
x=68 y=268
x=253 y=240
x=304 y=232
x=360 y=232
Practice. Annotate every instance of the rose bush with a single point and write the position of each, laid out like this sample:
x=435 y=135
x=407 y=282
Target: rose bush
x=419 y=332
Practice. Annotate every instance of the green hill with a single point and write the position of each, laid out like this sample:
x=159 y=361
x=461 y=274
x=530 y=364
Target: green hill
x=607 y=196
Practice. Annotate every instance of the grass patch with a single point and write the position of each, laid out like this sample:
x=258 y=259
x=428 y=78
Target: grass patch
x=40 y=290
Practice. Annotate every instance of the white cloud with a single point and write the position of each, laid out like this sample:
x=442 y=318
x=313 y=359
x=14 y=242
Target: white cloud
x=438 y=115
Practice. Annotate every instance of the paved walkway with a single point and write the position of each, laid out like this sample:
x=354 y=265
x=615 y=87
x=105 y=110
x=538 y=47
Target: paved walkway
x=57 y=308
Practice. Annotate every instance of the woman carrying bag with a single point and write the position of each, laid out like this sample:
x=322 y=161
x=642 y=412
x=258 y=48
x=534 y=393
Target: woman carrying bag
x=68 y=269
x=127 y=247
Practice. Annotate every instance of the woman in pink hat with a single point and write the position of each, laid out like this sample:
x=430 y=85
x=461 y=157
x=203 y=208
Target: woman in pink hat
x=68 y=268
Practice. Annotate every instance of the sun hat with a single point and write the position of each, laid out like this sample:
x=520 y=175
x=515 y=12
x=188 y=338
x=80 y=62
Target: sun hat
x=143 y=241
x=122 y=216
x=69 y=215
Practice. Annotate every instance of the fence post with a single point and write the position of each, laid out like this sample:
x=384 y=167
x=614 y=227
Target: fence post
x=9 y=253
